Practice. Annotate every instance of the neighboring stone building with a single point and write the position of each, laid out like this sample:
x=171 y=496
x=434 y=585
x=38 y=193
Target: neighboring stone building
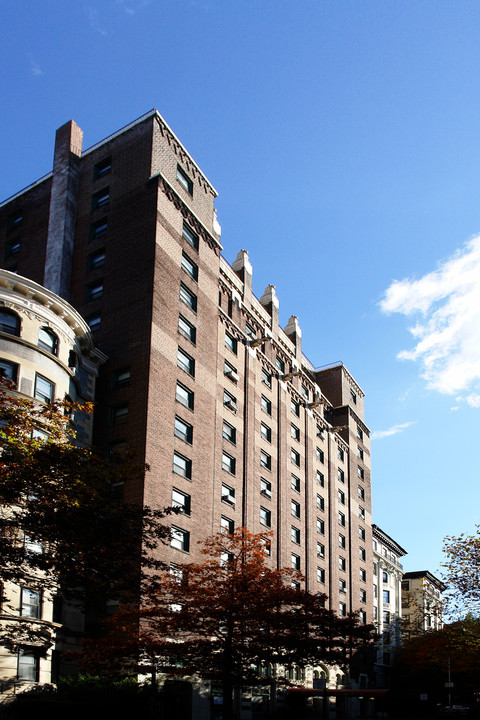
x=421 y=602
x=387 y=601
x=46 y=349
x=237 y=425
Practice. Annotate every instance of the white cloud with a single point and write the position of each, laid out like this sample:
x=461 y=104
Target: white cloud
x=92 y=15
x=379 y=434
x=35 y=67
x=447 y=327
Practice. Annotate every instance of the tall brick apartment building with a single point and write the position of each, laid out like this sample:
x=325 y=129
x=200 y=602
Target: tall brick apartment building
x=235 y=423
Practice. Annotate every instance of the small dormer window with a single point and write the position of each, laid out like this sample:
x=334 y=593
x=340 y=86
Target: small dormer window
x=47 y=340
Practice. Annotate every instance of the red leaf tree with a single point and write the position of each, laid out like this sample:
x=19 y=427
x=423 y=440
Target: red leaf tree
x=226 y=617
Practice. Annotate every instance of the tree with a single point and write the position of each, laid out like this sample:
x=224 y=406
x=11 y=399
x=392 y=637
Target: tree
x=59 y=527
x=462 y=574
x=426 y=662
x=228 y=616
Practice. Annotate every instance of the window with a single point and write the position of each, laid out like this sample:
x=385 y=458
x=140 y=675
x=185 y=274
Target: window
x=320 y=526
x=182 y=466
x=266 y=405
x=228 y=463
x=320 y=432
x=267 y=545
x=341 y=454
x=94 y=321
x=341 y=497
x=342 y=541
x=295 y=562
x=361 y=513
x=266 y=432
x=265 y=460
x=294 y=432
x=280 y=365
x=342 y=563
x=295 y=407
x=295 y=457
x=102 y=168
x=305 y=392
x=362 y=554
x=229 y=401
x=94 y=291
x=342 y=585
x=189 y=266
x=320 y=478
x=341 y=475
x=96 y=260
x=363 y=596
x=265 y=487
x=98 y=229
x=28 y=666
x=190 y=236
x=250 y=331
x=406 y=585
x=320 y=550
x=229 y=432
x=363 y=575
x=12 y=247
x=227 y=525
x=183 y=430
x=186 y=362
x=44 y=389
x=180 y=539
x=385 y=577
x=30 y=603
x=295 y=483
x=101 y=198
x=47 y=340
x=186 y=329
x=14 y=220
x=231 y=343
x=342 y=609
x=295 y=535
x=181 y=500
x=295 y=508
x=360 y=472
x=228 y=494
x=265 y=517
x=8 y=370
x=184 y=180
x=386 y=617
x=359 y=433
x=230 y=371
x=386 y=597
x=320 y=455
x=361 y=533
x=266 y=378
x=353 y=397
x=359 y=452
x=184 y=396
x=321 y=575
x=361 y=492
x=341 y=519
x=9 y=322
x=188 y=297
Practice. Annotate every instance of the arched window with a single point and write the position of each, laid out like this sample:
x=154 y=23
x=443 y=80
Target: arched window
x=9 y=322
x=47 y=340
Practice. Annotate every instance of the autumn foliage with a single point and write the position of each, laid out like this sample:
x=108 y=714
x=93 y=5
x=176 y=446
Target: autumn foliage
x=59 y=527
x=227 y=617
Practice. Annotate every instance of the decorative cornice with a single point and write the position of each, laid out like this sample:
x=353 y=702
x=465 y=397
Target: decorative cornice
x=233 y=328
x=187 y=213
x=354 y=415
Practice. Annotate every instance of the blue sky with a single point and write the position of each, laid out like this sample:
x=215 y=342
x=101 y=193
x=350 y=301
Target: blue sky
x=343 y=137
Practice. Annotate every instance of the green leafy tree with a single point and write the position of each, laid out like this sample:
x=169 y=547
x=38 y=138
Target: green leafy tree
x=226 y=617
